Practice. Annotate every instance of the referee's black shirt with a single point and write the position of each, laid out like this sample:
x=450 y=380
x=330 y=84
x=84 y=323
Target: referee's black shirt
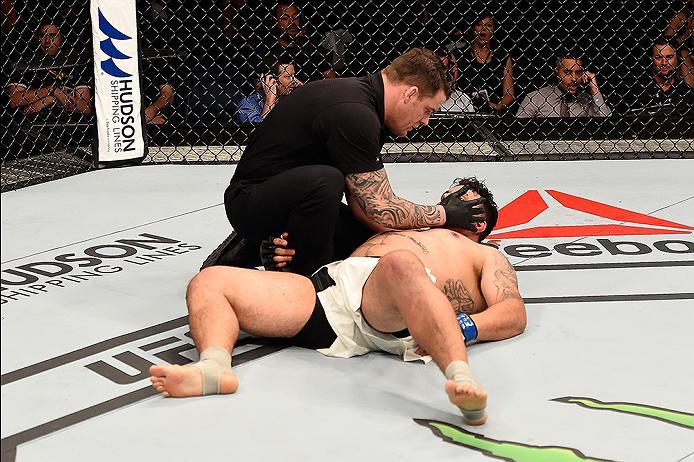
x=336 y=122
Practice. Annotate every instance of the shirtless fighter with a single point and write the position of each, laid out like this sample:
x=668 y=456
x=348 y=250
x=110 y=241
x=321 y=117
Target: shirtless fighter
x=403 y=292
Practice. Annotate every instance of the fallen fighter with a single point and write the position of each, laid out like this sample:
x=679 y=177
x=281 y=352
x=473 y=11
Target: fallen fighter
x=408 y=293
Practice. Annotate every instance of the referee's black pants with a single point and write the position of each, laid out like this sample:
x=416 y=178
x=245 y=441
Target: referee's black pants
x=307 y=203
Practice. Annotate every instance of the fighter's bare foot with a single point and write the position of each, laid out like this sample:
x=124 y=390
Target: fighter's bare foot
x=471 y=399
x=183 y=381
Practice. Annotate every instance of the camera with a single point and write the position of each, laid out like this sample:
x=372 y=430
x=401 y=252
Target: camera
x=480 y=101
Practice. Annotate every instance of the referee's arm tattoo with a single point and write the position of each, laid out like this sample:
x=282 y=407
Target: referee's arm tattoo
x=372 y=191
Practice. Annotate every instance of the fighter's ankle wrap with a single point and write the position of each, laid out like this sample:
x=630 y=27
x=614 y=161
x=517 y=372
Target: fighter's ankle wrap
x=459 y=372
x=213 y=361
x=468 y=326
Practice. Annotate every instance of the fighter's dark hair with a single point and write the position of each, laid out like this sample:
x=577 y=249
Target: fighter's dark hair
x=490 y=207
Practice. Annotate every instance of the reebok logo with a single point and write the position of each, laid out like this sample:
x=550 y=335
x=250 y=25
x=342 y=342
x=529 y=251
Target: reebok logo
x=531 y=204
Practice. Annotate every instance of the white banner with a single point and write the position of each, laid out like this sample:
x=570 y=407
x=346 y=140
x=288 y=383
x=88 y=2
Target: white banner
x=117 y=91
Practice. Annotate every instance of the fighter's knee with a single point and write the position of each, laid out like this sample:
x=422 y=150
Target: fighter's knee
x=203 y=283
x=401 y=264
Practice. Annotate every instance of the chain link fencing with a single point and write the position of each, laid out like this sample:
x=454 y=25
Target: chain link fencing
x=555 y=80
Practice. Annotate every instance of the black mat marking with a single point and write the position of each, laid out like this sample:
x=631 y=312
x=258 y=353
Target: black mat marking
x=584 y=266
x=10 y=443
x=112 y=233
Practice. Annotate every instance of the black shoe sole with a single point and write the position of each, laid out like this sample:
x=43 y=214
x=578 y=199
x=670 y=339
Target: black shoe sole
x=234 y=251
x=220 y=253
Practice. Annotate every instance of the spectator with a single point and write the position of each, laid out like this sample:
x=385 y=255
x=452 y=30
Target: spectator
x=272 y=86
x=458 y=101
x=158 y=92
x=48 y=80
x=72 y=16
x=155 y=112
x=231 y=17
x=681 y=26
x=9 y=16
x=156 y=21
x=292 y=39
x=680 y=30
x=161 y=72
x=665 y=86
x=426 y=19
x=487 y=69
x=576 y=94
x=214 y=93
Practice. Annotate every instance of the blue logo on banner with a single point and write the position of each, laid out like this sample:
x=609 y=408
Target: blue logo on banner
x=108 y=47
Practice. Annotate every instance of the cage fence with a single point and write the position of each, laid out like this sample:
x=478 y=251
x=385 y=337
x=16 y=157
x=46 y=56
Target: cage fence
x=556 y=80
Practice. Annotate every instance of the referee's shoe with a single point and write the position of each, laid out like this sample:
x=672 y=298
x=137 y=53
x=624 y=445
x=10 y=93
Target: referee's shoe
x=234 y=251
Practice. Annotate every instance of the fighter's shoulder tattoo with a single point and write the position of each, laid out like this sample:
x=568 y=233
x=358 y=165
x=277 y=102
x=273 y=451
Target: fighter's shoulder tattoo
x=421 y=246
x=458 y=295
x=505 y=279
x=456 y=235
x=382 y=238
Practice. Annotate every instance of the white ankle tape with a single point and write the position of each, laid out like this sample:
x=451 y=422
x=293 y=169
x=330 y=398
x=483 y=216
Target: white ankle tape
x=213 y=361
x=459 y=372
x=474 y=416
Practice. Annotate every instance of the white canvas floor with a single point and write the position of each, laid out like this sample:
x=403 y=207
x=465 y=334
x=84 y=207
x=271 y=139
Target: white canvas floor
x=605 y=369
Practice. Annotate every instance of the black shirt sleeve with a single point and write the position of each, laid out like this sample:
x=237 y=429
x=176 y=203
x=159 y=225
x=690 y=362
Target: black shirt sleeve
x=352 y=133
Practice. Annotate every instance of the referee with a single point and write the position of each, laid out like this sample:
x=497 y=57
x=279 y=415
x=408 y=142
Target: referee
x=324 y=141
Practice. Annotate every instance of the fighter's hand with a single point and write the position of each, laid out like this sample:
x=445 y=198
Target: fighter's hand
x=461 y=213
x=274 y=253
x=590 y=79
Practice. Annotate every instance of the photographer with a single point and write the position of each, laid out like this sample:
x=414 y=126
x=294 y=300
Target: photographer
x=576 y=94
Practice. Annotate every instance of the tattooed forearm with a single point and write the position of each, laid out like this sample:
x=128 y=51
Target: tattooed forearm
x=374 y=195
x=505 y=280
x=459 y=297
